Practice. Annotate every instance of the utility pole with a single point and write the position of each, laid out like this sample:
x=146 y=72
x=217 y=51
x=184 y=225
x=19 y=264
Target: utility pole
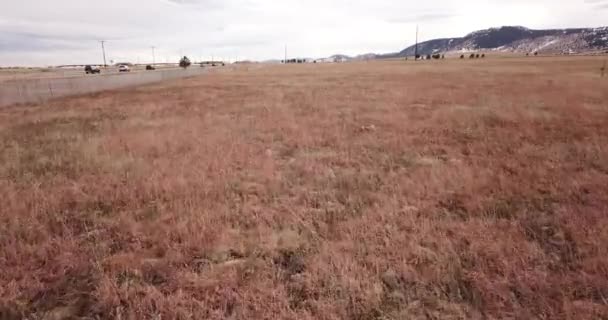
x=416 y=49
x=285 y=61
x=153 y=55
x=103 y=50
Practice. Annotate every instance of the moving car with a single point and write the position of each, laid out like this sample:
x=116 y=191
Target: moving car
x=149 y=67
x=124 y=68
x=91 y=69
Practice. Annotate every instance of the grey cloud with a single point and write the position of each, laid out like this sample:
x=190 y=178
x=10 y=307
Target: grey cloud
x=602 y=6
x=21 y=41
x=237 y=43
x=199 y=4
x=425 y=17
x=184 y=1
x=52 y=36
x=66 y=30
x=598 y=4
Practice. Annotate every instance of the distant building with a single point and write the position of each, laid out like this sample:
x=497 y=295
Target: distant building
x=325 y=60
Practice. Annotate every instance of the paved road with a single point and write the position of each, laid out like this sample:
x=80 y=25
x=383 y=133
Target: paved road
x=20 y=74
x=38 y=90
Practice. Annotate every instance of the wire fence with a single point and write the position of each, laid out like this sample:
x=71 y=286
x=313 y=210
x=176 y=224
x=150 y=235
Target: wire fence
x=40 y=90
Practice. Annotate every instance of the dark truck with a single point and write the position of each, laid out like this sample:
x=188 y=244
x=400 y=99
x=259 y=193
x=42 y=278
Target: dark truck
x=91 y=69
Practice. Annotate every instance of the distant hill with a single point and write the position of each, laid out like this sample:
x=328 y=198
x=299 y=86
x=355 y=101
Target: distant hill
x=503 y=39
x=516 y=39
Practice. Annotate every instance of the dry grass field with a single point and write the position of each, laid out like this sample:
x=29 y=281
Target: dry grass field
x=383 y=190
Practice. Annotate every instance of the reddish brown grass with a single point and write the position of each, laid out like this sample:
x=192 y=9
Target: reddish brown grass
x=444 y=190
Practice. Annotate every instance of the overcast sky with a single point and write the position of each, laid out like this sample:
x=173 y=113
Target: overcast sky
x=49 y=32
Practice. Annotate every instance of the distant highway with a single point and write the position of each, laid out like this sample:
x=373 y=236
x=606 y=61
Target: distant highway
x=37 y=87
x=25 y=74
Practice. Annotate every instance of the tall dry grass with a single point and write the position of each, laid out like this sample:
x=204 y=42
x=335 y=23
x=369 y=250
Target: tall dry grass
x=443 y=190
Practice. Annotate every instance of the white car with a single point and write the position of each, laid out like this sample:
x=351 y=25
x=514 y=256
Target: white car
x=124 y=68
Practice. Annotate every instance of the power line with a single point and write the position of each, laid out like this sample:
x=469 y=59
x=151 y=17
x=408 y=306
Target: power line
x=416 y=49
x=103 y=50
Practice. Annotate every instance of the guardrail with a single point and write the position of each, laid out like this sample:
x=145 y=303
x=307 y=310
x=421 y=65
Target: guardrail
x=41 y=90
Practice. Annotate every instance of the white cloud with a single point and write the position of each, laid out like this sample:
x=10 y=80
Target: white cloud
x=41 y=32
